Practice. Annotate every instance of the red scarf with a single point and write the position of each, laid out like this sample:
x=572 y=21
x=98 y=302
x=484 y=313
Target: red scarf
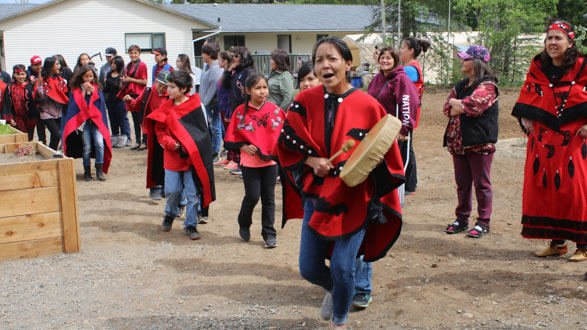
x=55 y=87
x=259 y=127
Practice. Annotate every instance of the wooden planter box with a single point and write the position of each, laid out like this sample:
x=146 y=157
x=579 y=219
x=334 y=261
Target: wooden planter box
x=17 y=137
x=39 y=213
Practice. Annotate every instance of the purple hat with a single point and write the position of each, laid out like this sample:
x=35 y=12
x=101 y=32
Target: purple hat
x=479 y=52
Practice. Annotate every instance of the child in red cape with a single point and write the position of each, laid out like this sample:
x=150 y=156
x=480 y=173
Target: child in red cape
x=254 y=129
x=87 y=108
x=182 y=131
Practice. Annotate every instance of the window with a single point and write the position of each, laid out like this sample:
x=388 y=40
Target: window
x=284 y=42
x=320 y=36
x=232 y=41
x=147 y=41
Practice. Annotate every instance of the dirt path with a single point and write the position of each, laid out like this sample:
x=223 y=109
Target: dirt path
x=130 y=274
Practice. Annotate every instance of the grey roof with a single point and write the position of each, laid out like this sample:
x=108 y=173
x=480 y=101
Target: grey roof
x=7 y=10
x=279 y=17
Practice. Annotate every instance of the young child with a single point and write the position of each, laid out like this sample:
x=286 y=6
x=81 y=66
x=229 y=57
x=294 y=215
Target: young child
x=134 y=81
x=51 y=96
x=254 y=129
x=182 y=130
x=147 y=103
x=87 y=107
x=18 y=107
x=116 y=107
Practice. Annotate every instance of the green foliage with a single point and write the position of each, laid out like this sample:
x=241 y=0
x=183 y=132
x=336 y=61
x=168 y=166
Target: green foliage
x=503 y=24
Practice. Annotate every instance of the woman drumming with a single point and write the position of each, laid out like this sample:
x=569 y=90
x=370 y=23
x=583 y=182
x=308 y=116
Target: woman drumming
x=410 y=50
x=552 y=109
x=365 y=219
x=470 y=138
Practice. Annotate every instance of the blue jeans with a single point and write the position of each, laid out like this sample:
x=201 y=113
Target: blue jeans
x=340 y=277
x=363 y=273
x=91 y=131
x=215 y=124
x=125 y=125
x=179 y=185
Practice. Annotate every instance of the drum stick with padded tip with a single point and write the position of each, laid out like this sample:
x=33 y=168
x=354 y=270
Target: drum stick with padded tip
x=348 y=145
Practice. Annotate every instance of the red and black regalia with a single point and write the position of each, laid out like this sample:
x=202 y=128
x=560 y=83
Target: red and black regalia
x=555 y=177
x=19 y=105
x=80 y=109
x=147 y=102
x=188 y=125
x=317 y=125
x=259 y=127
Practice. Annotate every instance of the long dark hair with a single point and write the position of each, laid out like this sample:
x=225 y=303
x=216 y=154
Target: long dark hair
x=482 y=71
x=281 y=59
x=393 y=52
x=185 y=63
x=570 y=56
x=20 y=67
x=246 y=60
x=418 y=45
x=48 y=65
x=77 y=79
x=342 y=48
x=62 y=61
x=78 y=64
x=119 y=62
x=251 y=81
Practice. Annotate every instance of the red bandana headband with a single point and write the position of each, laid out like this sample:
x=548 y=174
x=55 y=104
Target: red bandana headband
x=18 y=70
x=562 y=27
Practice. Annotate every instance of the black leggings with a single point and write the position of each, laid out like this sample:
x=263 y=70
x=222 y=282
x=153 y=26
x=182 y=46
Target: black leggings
x=411 y=170
x=259 y=181
x=54 y=126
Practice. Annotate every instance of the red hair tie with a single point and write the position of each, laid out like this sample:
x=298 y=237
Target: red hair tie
x=562 y=27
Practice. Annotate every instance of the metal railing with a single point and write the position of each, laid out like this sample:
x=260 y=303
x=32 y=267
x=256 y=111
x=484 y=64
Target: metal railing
x=262 y=62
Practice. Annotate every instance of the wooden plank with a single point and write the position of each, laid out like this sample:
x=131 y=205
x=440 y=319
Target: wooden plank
x=31 y=249
x=30 y=227
x=19 y=168
x=17 y=137
x=41 y=179
x=69 y=211
x=30 y=201
x=45 y=151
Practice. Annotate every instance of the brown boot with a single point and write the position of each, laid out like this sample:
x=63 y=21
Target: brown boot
x=580 y=255
x=553 y=249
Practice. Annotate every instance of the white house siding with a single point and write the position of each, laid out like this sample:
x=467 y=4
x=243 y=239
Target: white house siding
x=72 y=27
x=265 y=42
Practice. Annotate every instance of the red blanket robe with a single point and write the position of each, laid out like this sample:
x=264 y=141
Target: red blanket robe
x=78 y=111
x=55 y=87
x=188 y=123
x=259 y=127
x=555 y=176
x=19 y=105
x=340 y=210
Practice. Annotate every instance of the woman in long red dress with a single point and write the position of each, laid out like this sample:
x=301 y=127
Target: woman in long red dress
x=552 y=109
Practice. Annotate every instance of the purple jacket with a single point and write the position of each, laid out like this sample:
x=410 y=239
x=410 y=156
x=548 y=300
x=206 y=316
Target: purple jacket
x=397 y=91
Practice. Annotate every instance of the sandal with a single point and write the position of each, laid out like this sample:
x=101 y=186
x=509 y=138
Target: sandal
x=478 y=231
x=456 y=227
